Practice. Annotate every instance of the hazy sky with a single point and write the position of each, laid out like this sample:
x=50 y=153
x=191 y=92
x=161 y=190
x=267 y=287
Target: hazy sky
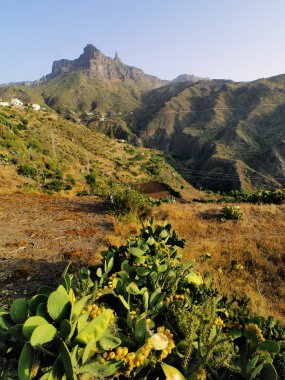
x=233 y=39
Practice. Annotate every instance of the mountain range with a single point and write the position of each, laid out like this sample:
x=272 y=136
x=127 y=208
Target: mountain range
x=221 y=134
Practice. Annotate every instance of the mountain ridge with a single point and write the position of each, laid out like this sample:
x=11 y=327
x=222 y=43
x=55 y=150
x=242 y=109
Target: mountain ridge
x=97 y=65
x=223 y=134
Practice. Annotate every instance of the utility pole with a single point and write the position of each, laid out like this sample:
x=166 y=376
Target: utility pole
x=53 y=144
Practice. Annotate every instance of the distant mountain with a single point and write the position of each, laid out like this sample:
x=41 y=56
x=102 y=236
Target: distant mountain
x=92 y=82
x=188 y=78
x=94 y=64
x=224 y=135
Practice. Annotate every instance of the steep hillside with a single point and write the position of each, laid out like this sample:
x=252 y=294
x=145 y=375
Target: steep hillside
x=40 y=151
x=74 y=91
x=223 y=134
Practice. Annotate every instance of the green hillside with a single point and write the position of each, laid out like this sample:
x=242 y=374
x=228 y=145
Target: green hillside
x=75 y=91
x=40 y=151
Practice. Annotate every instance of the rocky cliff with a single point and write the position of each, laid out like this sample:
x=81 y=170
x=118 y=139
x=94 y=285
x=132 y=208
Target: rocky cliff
x=98 y=66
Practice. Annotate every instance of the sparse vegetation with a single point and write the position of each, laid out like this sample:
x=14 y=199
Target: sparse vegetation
x=54 y=148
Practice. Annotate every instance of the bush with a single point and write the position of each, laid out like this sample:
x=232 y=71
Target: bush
x=70 y=180
x=137 y=157
x=260 y=196
x=130 y=203
x=57 y=185
x=231 y=213
x=27 y=170
x=91 y=179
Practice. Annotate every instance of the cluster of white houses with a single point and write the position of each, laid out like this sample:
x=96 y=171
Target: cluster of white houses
x=18 y=103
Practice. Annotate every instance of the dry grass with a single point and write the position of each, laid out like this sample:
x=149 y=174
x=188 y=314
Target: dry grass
x=122 y=231
x=257 y=242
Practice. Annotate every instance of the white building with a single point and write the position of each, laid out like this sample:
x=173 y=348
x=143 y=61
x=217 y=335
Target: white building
x=4 y=104
x=17 y=102
x=36 y=107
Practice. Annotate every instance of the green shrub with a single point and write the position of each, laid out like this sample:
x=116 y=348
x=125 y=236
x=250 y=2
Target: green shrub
x=33 y=144
x=231 y=213
x=27 y=170
x=91 y=179
x=259 y=196
x=5 y=159
x=21 y=127
x=130 y=203
x=24 y=121
x=70 y=180
x=56 y=185
x=137 y=157
x=51 y=165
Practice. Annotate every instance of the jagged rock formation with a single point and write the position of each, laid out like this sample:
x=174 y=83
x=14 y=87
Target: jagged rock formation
x=98 y=66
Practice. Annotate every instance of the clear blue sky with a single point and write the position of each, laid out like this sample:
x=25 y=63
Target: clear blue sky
x=233 y=39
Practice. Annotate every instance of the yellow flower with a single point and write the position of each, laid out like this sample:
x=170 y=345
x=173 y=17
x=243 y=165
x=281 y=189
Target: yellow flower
x=159 y=341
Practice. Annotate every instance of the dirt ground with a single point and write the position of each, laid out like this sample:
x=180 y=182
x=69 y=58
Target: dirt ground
x=40 y=234
x=155 y=189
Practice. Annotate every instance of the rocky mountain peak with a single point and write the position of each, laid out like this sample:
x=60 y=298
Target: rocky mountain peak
x=93 y=63
x=91 y=52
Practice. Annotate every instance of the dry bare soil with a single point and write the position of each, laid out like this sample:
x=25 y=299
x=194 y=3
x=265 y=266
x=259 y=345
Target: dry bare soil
x=39 y=234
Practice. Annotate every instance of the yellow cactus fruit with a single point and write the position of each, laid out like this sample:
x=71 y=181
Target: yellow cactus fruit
x=111 y=355
x=119 y=351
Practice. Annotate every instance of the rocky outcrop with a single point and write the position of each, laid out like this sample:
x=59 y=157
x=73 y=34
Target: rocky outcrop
x=98 y=66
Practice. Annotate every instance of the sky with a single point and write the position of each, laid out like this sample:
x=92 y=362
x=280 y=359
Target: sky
x=241 y=40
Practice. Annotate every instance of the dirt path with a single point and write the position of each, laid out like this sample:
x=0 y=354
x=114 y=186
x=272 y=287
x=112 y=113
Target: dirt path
x=39 y=234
